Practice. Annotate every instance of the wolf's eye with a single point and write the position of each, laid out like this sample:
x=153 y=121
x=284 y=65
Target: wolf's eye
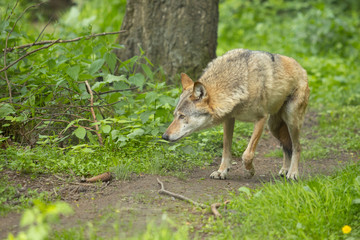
x=181 y=116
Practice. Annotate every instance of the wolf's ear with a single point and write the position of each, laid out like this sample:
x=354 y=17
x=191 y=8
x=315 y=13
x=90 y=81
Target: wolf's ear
x=186 y=81
x=199 y=91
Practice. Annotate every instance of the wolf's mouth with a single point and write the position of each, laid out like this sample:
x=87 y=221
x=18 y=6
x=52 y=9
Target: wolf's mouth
x=168 y=138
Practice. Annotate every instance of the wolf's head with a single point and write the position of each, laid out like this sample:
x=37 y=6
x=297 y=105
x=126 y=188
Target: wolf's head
x=192 y=112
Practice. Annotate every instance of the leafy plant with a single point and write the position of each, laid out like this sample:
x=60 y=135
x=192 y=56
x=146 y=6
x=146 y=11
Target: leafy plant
x=38 y=220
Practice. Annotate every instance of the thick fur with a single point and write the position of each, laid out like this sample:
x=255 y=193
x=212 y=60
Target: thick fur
x=250 y=86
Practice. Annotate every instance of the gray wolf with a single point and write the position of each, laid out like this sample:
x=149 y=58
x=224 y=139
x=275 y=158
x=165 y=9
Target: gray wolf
x=244 y=85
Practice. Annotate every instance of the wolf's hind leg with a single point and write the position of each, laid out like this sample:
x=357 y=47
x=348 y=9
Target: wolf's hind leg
x=249 y=153
x=293 y=115
x=226 y=156
x=280 y=130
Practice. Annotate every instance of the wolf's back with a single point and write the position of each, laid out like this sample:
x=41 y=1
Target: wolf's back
x=243 y=78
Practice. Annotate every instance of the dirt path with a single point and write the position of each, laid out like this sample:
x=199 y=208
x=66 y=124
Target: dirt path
x=136 y=202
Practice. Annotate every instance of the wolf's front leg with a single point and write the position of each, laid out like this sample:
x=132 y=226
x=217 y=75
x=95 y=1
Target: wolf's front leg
x=249 y=153
x=226 y=156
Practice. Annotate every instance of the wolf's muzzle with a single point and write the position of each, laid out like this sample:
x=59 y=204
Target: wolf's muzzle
x=165 y=137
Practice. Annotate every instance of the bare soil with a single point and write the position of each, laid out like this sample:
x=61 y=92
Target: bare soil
x=136 y=202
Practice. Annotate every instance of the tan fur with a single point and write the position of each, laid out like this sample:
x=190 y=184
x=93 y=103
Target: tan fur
x=247 y=86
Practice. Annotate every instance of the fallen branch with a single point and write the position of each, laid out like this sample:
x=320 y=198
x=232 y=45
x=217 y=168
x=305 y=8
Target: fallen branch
x=105 y=177
x=178 y=196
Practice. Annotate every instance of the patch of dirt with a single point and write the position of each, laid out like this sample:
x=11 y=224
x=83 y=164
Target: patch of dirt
x=136 y=202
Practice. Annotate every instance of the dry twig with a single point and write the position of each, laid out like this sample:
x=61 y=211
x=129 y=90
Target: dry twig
x=93 y=112
x=215 y=206
x=62 y=41
x=6 y=48
x=27 y=54
x=178 y=196
x=214 y=210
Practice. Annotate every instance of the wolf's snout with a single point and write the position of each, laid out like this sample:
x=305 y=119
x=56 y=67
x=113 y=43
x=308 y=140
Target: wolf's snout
x=165 y=137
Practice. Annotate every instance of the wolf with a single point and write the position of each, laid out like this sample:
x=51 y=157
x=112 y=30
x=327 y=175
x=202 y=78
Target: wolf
x=251 y=86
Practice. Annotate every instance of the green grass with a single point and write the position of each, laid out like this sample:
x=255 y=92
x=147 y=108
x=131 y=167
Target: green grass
x=313 y=209
x=317 y=208
x=147 y=155
x=14 y=198
x=337 y=133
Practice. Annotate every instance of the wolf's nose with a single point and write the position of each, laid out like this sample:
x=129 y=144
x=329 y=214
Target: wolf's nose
x=165 y=137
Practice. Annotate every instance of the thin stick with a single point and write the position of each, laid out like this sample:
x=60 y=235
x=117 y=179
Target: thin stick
x=74 y=183
x=62 y=41
x=29 y=53
x=178 y=196
x=12 y=10
x=6 y=43
x=60 y=178
x=93 y=112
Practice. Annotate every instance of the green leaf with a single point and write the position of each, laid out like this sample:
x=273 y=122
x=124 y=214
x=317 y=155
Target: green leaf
x=151 y=97
x=147 y=71
x=91 y=138
x=110 y=59
x=307 y=188
x=73 y=72
x=6 y=109
x=80 y=132
x=144 y=116
x=136 y=132
x=148 y=61
x=138 y=80
x=96 y=65
x=166 y=99
x=106 y=128
x=356 y=201
x=245 y=190
x=69 y=125
x=112 y=78
x=3 y=25
x=27 y=218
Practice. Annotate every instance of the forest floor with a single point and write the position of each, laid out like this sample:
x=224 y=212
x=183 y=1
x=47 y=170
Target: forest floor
x=134 y=203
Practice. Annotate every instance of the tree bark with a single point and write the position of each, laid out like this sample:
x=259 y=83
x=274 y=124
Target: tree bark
x=177 y=35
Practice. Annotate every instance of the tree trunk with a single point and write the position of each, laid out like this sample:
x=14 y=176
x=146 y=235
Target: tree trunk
x=177 y=35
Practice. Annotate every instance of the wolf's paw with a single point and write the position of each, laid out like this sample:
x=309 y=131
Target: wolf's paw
x=292 y=175
x=219 y=175
x=283 y=172
x=249 y=173
x=249 y=169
